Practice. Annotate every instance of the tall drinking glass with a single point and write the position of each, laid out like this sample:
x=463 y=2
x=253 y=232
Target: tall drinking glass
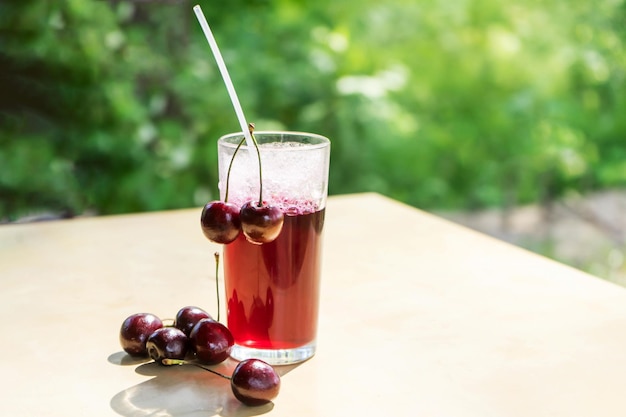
x=272 y=289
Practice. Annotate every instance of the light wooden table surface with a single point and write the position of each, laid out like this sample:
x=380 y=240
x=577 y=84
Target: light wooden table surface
x=419 y=317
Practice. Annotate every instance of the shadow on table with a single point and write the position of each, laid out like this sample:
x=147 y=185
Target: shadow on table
x=182 y=391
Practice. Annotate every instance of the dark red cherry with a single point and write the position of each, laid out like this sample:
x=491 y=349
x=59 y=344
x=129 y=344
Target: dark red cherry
x=135 y=331
x=167 y=343
x=220 y=221
x=211 y=341
x=187 y=317
x=261 y=223
x=255 y=382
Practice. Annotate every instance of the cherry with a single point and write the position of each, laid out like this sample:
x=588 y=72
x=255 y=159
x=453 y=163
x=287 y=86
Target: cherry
x=135 y=331
x=255 y=382
x=187 y=317
x=167 y=343
x=220 y=221
x=211 y=341
x=261 y=223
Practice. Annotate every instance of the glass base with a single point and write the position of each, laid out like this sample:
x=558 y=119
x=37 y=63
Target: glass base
x=274 y=356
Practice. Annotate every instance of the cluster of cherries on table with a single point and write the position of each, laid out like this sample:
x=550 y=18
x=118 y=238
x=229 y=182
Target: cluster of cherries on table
x=196 y=335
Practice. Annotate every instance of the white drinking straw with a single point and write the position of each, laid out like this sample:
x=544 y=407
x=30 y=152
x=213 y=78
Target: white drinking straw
x=222 y=66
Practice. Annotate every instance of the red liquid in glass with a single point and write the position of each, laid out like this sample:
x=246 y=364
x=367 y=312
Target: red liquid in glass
x=273 y=289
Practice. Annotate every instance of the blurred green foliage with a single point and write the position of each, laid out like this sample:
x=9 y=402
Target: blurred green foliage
x=115 y=106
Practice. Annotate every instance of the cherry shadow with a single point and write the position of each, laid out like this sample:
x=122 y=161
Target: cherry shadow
x=124 y=359
x=182 y=390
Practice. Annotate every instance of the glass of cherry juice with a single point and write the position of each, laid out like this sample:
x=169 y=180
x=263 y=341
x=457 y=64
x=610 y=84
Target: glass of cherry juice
x=272 y=289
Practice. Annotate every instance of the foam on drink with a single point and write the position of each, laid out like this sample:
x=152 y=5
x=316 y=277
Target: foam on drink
x=292 y=180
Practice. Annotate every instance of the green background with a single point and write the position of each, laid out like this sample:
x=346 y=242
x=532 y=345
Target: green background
x=115 y=106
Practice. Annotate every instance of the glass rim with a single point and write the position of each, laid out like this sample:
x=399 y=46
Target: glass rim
x=323 y=140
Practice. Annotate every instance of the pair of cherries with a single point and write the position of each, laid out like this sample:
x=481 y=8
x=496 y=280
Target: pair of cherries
x=222 y=222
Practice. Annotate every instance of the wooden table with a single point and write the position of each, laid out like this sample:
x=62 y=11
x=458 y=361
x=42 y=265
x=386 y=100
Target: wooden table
x=419 y=317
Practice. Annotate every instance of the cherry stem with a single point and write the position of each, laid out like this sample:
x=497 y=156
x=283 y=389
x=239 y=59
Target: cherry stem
x=170 y=362
x=258 y=154
x=217 y=283
x=230 y=164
